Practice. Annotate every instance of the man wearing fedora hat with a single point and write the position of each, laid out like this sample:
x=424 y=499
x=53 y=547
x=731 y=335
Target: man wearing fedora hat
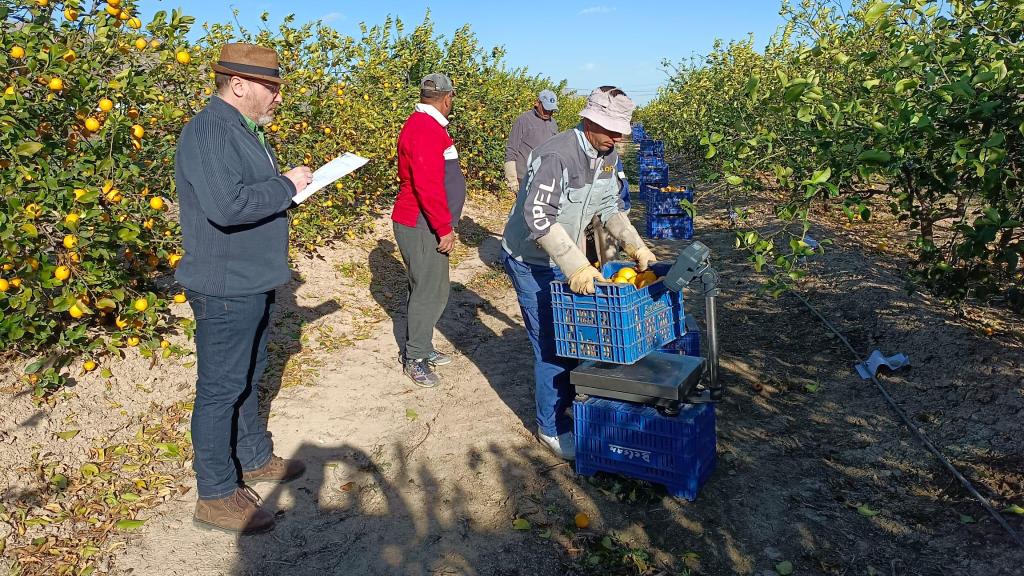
x=233 y=199
x=570 y=179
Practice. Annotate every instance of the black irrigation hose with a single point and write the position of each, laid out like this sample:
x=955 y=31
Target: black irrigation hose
x=920 y=435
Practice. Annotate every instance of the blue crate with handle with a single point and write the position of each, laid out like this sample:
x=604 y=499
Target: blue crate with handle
x=655 y=147
x=669 y=227
x=639 y=442
x=638 y=132
x=620 y=323
x=662 y=203
x=689 y=343
x=655 y=174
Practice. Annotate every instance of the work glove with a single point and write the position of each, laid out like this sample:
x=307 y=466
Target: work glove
x=620 y=227
x=582 y=282
x=511 y=179
x=570 y=259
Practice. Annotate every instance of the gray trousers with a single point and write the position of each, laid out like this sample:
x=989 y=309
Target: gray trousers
x=427 y=270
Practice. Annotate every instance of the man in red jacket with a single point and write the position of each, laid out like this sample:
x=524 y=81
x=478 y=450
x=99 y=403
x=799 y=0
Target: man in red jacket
x=432 y=192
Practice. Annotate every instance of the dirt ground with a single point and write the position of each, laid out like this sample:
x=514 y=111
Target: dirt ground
x=813 y=467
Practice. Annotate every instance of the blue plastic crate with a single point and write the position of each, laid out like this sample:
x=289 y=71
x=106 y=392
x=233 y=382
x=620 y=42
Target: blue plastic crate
x=660 y=203
x=689 y=343
x=669 y=227
x=654 y=174
x=620 y=323
x=637 y=441
x=657 y=147
x=638 y=132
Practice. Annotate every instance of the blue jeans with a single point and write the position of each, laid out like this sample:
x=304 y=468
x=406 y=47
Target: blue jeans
x=553 y=392
x=228 y=434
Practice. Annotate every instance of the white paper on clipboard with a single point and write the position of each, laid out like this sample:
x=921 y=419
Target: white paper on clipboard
x=328 y=173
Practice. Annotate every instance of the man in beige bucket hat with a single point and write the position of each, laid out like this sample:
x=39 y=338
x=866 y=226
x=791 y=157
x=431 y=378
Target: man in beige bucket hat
x=234 y=223
x=570 y=180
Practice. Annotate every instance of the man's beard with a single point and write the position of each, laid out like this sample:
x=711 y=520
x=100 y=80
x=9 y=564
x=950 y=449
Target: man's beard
x=265 y=119
x=260 y=117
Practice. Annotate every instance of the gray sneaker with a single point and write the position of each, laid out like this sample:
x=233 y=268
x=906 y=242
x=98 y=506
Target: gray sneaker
x=438 y=359
x=421 y=373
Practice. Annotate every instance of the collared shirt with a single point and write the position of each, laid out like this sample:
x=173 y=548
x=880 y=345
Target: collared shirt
x=255 y=129
x=433 y=112
x=528 y=132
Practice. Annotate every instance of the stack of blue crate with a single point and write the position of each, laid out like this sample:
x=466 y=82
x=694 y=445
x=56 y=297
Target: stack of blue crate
x=669 y=211
x=621 y=324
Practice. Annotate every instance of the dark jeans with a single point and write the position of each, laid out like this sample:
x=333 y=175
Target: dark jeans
x=553 y=392
x=429 y=286
x=228 y=435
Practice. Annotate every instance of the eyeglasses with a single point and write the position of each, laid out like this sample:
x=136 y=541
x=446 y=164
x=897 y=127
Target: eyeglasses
x=272 y=88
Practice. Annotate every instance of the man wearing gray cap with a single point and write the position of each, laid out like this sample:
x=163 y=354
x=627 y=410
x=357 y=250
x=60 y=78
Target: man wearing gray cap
x=431 y=194
x=570 y=179
x=531 y=129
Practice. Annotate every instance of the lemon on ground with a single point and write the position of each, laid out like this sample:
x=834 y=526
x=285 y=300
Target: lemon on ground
x=165 y=344
x=582 y=520
x=141 y=304
x=62 y=273
x=89 y=365
x=180 y=298
x=133 y=341
x=120 y=322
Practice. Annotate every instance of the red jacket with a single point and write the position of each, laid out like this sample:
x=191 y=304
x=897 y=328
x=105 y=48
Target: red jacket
x=432 y=188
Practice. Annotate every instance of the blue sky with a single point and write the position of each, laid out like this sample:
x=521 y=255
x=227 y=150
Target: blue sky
x=586 y=43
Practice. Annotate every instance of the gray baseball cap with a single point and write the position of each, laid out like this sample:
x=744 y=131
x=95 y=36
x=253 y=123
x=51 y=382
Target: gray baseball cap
x=609 y=108
x=548 y=100
x=441 y=83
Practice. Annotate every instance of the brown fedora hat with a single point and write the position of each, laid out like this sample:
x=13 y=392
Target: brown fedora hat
x=249 y=61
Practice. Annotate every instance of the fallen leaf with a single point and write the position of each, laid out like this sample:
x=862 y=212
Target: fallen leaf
x=1015 y=509
x=129 y=524
x=546 y=533
x=866 y=511
x=67 y=434
x=784 y=568
x=347 y=486
x=520 y=524
x=967 y=519
x=411 y=414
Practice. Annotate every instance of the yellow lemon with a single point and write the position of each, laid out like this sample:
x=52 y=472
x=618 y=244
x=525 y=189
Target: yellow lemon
x=69 y=56
x=70 y=241
x=180 y=298
x=89 y=366
x=138 y=131
x=582 y=520
x=106 y=104
x=75 y=311
x=165 y=344
x=134 y=23
x=4 y=285
x=173 y=259
x=9 y=91
x=156 y=203
x=141 y=304
x=55 y=84
x=62 y=273
x=15 y=282
x=183 y=57
x=120 y=322
x=17 y=52
x=70 y=14
x=133 y=341
x=92 y=124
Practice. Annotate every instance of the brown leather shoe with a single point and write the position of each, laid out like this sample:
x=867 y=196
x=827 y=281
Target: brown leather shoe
x=239 y=512
x=277 y=469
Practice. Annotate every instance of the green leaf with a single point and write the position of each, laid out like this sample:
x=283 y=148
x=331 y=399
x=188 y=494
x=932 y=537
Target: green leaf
x=905 y=85
x=869 y=84
x=28 y=148
x=876 y=11
x=88 y=470
x=875 y=157
x=821 y=176
x=812 y=387
x=784 y=568
x=866 y=511
x=67 y=434
x=1014 y=509
x=734 y=180
x=967 y=519
x=711 y=152
x=30 y=230
x=129 y=524
x=411 y=414
x=520 y=524
x=34 y=367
